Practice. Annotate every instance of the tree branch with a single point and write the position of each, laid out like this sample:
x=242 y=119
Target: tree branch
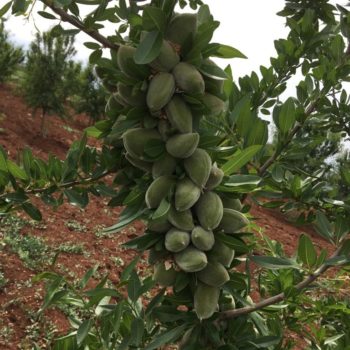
x=80 y=25
x=84 y=181
x=279 y=297
x=277 y=152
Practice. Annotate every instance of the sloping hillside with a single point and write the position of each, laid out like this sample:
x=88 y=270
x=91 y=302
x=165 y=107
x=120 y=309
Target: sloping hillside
x=26 y=247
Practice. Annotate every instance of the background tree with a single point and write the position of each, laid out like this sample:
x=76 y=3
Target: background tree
x=50 y=76
x=10 y=56
x=91 y=95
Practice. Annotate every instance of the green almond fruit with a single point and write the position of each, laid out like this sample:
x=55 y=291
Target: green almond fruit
x=232 y=221
x=215 y=106
x=138 y=163
x=214 y=274
x=198 y=167
x=209 y=210
x=227 y=302
x=188 y=78
x=221 y=253
x=183 y=220
x=132 y=97
x=179 y=114
x=176 y=240
x=206 y=300
x=160 y=91
x=231 y=202
x=191 y=260
x=186 y=194
x=202 y=239
x=182 y=145
x=155 y=255
x=135 y=141
x=158 y=190
x=127 y=64
x=160 y=225
x=182 y=28
x=164 y=166
x=167 y=59
x=164 y=276
x=215 y=177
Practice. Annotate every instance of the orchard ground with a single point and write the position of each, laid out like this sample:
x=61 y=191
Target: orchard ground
x=28 y=247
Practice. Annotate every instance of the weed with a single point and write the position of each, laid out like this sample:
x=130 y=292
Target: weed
x=3 y=280
x=31 y=250
x=71 y=248
x=74 y=225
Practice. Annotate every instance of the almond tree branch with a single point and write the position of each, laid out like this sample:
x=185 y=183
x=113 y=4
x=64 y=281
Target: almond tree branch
x=293 y=132
x=279 y=297
x=80 y=182
x=80 y=25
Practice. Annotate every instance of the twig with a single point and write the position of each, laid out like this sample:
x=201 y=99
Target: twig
x=277 y=152
x=80 y=25
x=83 y=181
x=279 y=297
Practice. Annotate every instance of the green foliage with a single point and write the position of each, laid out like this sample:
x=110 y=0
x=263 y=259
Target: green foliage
x=10 y=56
x=91 y=96
x=50 y=75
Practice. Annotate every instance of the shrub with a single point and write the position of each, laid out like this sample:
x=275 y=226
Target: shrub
x=10 y=56
x=50 y=75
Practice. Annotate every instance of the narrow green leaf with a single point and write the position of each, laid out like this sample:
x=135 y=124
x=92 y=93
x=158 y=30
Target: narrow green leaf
x=286 y=117
x=87 y=276
x=239 y=159
x=233 y=243
x=240 y=180
x=153 y=18
x=125 y=220
x=341 y=228
x=306 y=251
x=134 y=286
x=18 y=6
x=101 y=293
x=83 y=331
x=155 y=301
x=67 y=342
x=272 y=263
x=143 y=242
x=225 y=51
x=3 y=160
x=137 y=331
x=5 y=8
x=16 y=171
x=127 y=271
x=76 y=198
x=213 y=71
x=149 y=48
x=92 y=45
x=166 y=337
x=323 y=226
x=338 y=261
x=46 y=15
x=32 y=211
x=162 y=210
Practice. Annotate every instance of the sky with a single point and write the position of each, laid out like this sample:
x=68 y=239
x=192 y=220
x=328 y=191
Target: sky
x=249 y=25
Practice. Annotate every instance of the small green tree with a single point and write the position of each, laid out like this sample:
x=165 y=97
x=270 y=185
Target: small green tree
x=47 y=71
x=91 y=98
x=10 y=56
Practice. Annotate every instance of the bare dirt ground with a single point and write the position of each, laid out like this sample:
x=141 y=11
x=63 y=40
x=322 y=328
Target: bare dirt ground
x=77 y=230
